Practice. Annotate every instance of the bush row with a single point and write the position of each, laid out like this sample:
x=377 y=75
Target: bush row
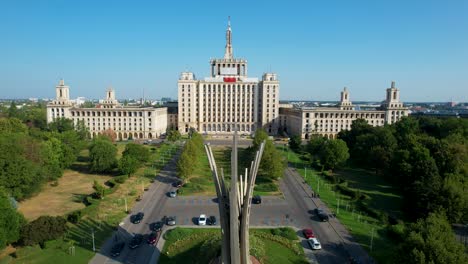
x=283 y=241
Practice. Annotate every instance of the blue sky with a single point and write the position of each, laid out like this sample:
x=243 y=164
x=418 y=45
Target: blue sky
x=315 y=47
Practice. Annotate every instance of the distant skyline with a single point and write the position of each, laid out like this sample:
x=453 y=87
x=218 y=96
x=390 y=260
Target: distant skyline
x=316 y=48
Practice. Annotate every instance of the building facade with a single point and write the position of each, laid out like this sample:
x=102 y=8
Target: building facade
x=126 y=122
x=329 y=121
x=228 y=99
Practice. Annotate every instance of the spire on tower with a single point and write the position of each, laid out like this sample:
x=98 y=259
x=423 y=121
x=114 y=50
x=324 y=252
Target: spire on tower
x=228 y=52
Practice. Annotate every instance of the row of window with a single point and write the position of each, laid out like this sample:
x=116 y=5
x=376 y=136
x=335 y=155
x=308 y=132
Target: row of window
x=108 y=113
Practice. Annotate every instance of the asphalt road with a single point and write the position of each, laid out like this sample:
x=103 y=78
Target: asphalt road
x=294 y=209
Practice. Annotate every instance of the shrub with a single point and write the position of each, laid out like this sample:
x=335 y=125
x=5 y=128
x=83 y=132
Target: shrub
x=266 y=187
x=121 y=179
x=211 y=247
x=88 y=200
x=285 y=232
x=111 y=183
x=43 y=229
x=177 y=234
x=74 y=217
x=396 y=232
x=257 y=247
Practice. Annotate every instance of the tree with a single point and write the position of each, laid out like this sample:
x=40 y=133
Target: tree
x=10 y=221
x=102 y=155
x=128 y=165
x=185 y=165
x=12 y=125
x=53 y=157
x=333 y=153
x=43 y=229
x=432 y=240
x=173 y=135
x=99 y=190
x=13 y=110
x=260 y=136
x=272 y=164
x=110 y=134
x=137 y=151
x=295 y=142
x=61 y=125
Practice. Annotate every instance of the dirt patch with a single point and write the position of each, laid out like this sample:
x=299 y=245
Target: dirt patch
x=61 y=199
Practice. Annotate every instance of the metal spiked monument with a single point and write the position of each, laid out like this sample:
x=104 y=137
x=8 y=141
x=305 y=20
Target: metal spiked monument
x=234 y=203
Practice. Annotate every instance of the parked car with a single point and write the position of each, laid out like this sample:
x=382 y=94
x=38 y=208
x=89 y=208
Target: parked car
x=136 y=218
x=136 y=241
x=178 y=184
x=308 y=233
x=321 y=214
x=202 y=219
x=211 y=220
x=117 y=248
x=172 y=194
x=152 y=238
x=314 y=243
x=171 y=220
x=257 y=199
x=157 y=226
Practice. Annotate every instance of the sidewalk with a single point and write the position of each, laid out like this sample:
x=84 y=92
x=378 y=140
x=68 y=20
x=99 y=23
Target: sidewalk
x=350 y=245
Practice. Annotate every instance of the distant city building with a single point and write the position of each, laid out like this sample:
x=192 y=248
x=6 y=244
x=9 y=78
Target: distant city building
x=228 y=99
x=329 y=121
x=127 y=122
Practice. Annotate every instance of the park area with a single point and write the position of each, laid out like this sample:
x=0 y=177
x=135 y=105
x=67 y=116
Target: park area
x=100 y=216
x=201 y=245
x=201 y=181
x=362 y=201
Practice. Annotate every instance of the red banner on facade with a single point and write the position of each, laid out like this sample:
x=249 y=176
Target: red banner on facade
x=229 y=79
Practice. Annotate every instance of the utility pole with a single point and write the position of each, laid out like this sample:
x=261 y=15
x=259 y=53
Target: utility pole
x=125 y=199
x=318 y=185
x=338 y=206
x=305 y=172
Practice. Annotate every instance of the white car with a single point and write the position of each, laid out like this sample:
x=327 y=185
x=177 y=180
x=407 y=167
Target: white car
x=202 y=219
x=314 y=243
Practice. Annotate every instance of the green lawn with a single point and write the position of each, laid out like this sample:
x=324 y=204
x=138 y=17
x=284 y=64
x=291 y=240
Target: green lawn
x=201 y=182
x=364 y=228
x=189 y=245
x=102 y=217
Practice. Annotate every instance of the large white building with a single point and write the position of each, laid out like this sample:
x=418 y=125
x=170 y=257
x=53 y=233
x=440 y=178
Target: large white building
x=126 y=122
x=228 y=99
x=329 y=121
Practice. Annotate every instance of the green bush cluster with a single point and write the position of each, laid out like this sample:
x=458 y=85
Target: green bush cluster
x=266 y=187
x=285 y=232
x=43 y=229
x=353 y=194
x=74 y=217
x=120 y=179
x=257 y=246
x=283 y=241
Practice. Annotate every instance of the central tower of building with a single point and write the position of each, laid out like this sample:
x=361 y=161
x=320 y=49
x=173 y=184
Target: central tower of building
x=228 y=100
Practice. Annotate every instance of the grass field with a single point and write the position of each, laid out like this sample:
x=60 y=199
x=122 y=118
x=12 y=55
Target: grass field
x=382 y=197
x=61 y=199
x=201 y=182
x=188 y=245
x=102 y=216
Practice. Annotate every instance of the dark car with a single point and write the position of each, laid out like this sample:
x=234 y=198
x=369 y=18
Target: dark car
x=171 y=220
x=136 y=219
x=117 y=248
x=211 y=220
x=152 y=238
x=257 y=199
x=321 y=214
x=308 y=233
x=178 y=184
x=157 y=226
x=136 y=241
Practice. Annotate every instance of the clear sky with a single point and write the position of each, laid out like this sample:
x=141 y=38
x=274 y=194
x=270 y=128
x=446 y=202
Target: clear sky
x=316 y=47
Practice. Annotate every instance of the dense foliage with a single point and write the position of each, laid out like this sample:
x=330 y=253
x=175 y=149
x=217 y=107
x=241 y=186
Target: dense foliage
x=272 y=165
x=426 y=157
x=43 y=229
x=10 y=221
x=173 y=135
x=188 y=158
x=102 y=155
x=327 y=153
x=431 y=240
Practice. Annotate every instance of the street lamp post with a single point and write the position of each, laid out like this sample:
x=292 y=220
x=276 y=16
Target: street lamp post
x=92 y=235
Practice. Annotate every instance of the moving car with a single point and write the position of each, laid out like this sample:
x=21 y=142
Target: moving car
x=136 y=219
x=117 y=248
x=152 y=238
x=136 y=241
x=172 y=194
x=178 y=184
x=157 y=226
x=211 y=220
x=171 y=220
x=257 y=199
x=321 y=214
x=202 y=219
x=308 y=233
x=314 y=243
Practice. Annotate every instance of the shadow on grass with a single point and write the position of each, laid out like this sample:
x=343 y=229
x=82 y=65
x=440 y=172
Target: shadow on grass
x=82 y=233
